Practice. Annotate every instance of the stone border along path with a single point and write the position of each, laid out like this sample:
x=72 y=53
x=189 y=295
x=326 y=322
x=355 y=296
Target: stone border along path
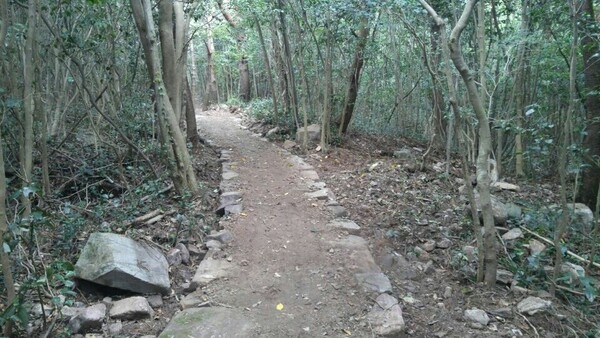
x=287 y=263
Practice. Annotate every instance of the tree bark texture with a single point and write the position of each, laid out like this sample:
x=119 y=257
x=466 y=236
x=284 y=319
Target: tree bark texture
x=210 y=89
x=591 y=61
x=354 y=80
x=182 y=171
x=244 y=88
x=485 y=146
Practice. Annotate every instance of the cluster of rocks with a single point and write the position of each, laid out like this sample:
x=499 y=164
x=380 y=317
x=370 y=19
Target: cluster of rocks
x=479 y=319
x=385 y=316
x=119 y=262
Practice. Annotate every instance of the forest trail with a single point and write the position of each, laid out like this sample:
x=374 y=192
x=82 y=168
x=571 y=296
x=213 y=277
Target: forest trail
x=293 y=275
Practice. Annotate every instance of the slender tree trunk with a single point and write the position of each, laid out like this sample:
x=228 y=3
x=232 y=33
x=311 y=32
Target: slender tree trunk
x=280 y=66
x=328 y=94
x=287 y=61
x=268 y=66
x=26 y=152
x=485 y=146
x=354 y=81
x=437 y=98
x=5 y=259
x=591 y=71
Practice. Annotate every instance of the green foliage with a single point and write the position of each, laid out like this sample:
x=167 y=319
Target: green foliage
x=262 y=110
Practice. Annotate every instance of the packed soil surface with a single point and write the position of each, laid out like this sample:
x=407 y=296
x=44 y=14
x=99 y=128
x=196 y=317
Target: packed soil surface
x=281 y=249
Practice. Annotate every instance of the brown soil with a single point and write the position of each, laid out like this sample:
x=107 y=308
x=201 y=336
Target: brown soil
x=281 y=246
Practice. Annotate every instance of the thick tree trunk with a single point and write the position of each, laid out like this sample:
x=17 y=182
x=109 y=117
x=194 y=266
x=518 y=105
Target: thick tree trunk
x=182 y=171
x=354 y=80
x=591 y=71
x=437 y=99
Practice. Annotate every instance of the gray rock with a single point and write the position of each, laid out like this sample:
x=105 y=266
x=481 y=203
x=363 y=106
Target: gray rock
x=448 y=292
x=288 y=144
x=477 y=316
x=321 y=195
x=428 y=246
x=421 y=254
x=374 y=281
x=231 y=197
x=470 y=252
x=513 y=234
x=229 y=175
x=115 y=328
x=386 y=316
x=89 y=319
x=68 y=312
x=498 y=209
x=185 y=253
x=155 y=300
x=117 y=261
x=317 y=185
x=504 y=276
x=132 y=308
x=347 y=225
x=444 y=243
x=338 y=211
x=358 y=253
x=312 y=131
x=498 y=186
x=531 y=305
x=404 y=154
x=174 y=257
x=194 y=299
x=213 y=244
x=310 y=174
x=299 y=163
x=210 y=322
x=513 y=211
x=575 y=272
x=223 y=236
x=196 y=251
x=233 y=209
x=536 y=247
x=272 y=132
x=209 y=270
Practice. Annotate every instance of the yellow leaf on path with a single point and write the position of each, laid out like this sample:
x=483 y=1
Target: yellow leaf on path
x=243 y=214
x=279 y=306
x=347 y=332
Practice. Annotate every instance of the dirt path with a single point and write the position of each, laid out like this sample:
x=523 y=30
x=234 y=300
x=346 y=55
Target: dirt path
x=283 y=251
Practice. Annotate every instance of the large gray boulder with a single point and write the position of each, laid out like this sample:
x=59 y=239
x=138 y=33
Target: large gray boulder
x=313 y=132
x=120 y=262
